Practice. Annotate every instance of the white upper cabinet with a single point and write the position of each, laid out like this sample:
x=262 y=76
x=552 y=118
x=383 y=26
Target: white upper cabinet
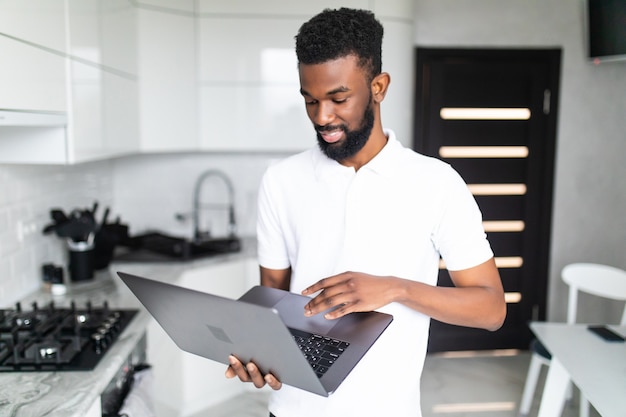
x=103 y=78
x=248 y=80
x=32 y=49
x=249 y=87
x=76 y=57
x=173 y=75
x=296 y=8
x=167 y=76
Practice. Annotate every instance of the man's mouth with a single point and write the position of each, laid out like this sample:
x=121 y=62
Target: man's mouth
x=332 y=135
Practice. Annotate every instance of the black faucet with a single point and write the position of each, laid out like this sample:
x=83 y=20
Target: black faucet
x=232 y=225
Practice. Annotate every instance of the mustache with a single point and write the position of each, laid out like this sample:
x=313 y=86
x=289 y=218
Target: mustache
x=329 y=128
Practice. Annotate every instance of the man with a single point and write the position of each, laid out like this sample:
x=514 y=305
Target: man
x=361 y=223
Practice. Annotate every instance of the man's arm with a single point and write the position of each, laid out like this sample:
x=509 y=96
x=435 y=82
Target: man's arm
x=477 y=300
x=276 y=278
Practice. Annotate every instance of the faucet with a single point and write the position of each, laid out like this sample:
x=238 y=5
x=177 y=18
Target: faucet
x=232 y=227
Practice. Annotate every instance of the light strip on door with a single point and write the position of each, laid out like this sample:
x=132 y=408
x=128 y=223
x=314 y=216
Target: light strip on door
x=473 y=407
x=483 y=151
x=501 y=262
x=457 y=354
x=512 y=297
x=509 y=261
x=476 y=113
x=497 y=189
x=503 y=225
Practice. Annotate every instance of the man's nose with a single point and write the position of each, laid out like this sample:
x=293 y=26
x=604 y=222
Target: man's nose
x=324 y=114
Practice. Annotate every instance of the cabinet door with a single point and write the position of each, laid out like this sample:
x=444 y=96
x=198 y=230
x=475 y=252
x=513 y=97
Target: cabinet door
x=32 y=51
x=78 y=57
x=167 y=77
x=120 y=50
x=249 y=87
x=103 y=80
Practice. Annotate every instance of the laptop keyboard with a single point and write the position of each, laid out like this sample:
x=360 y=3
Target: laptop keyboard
x=320 y=351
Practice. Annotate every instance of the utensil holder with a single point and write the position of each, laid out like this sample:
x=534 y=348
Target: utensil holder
x=81 y=260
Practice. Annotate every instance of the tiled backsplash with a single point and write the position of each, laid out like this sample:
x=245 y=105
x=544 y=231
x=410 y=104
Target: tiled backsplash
x=27 y=192
x=145 y=191
x=149 y=190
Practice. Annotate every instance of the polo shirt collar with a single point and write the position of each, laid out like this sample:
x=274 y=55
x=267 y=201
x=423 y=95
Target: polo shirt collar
x=386 y=162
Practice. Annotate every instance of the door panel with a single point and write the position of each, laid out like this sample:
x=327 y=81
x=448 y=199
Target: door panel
x=508 y=244
x=511 y=179
x=495 y=171
x=501 y=207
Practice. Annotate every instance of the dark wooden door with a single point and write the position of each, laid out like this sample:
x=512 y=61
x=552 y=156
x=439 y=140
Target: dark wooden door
x=491 y=114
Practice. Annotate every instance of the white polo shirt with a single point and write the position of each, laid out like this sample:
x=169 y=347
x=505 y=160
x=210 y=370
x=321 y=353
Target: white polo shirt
x=397 y=215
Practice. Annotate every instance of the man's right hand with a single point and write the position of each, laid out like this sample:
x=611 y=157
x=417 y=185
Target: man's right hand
x=250 y=373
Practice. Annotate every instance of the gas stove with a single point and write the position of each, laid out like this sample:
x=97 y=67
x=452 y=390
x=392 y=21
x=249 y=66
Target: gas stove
x=51 y=338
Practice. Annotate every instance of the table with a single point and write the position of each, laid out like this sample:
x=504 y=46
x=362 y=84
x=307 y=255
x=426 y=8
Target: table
x=596 y=367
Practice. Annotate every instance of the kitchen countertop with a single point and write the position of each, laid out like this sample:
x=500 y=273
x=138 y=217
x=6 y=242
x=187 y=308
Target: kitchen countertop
x=71 y=394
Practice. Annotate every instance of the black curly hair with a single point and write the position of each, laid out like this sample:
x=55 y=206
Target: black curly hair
x=334 y=34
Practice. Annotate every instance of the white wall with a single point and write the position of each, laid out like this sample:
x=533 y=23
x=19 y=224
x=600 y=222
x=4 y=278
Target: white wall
x=589 y=223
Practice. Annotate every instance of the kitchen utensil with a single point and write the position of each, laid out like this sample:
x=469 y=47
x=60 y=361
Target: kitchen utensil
x=58 y=216
x=104 y=218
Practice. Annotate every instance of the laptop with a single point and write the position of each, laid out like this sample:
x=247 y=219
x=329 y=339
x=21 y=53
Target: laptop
x=266 y=326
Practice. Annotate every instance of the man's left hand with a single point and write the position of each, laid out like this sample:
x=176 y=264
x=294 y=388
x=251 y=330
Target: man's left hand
x=347 y=293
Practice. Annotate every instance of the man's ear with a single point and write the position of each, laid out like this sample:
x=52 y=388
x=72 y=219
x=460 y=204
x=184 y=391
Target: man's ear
x=380 y=83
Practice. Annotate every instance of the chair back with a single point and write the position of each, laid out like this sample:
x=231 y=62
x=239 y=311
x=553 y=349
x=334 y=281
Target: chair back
x=596 y=279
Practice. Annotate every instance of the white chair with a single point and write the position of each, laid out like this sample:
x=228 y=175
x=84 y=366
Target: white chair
x=599 y=280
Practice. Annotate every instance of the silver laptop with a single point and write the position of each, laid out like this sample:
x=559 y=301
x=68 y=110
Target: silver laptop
x=266 y=326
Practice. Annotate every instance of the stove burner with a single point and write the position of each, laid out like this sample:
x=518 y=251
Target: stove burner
x=58 y=339
x=49 y=352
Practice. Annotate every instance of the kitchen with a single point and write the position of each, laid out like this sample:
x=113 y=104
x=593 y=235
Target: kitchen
x=589 y=189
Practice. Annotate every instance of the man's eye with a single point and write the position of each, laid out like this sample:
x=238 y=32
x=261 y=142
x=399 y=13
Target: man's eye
x=340 y=100
x=309 y=102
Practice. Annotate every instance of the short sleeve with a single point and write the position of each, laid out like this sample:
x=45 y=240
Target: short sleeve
x=272 y=251
x=460 y=237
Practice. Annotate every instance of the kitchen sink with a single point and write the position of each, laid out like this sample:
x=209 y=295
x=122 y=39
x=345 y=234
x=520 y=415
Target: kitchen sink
x=157 y=246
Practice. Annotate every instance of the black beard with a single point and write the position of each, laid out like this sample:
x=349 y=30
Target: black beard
x=354 y=141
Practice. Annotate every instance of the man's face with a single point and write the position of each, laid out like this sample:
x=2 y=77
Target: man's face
x=338 y=101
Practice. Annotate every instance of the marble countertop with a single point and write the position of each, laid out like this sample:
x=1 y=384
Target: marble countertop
x=71 y=394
